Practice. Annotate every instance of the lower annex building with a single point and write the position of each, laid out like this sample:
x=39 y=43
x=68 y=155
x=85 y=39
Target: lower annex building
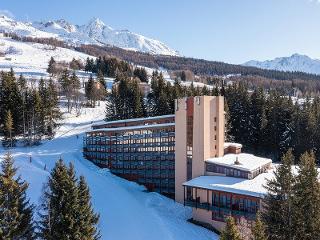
x=185 y=156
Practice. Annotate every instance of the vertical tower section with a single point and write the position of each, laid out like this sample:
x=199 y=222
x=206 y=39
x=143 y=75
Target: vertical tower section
x=199 y=134
x=181 y=107
x=208 y=131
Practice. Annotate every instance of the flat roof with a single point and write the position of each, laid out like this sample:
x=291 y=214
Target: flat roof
x=133 y=127
x=135 y=119
x=247 y=162
x=251 y=187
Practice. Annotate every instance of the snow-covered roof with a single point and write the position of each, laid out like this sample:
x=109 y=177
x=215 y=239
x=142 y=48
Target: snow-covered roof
x=245 y=161
x=134 y=127
x=252 y=187
x=231 y=144
x=135 y=120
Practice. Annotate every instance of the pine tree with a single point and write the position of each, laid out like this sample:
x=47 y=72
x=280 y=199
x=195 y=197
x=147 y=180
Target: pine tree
x=66 y=211
x=90 y=91
x=52 y=107
x=258 y=230
x=51 y=66
x=307 y=199
x=16 y=213
x=11 y=99
x=278 y=203
x=60 y=206
x=230 y=231
x=8 y=125
x=87 y=219
x=257 y=119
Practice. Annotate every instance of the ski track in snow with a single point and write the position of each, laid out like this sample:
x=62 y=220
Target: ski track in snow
x=126 y=210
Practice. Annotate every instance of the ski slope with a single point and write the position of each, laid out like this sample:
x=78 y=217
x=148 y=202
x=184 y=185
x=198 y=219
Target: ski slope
x=31 y=59
x=126 y=210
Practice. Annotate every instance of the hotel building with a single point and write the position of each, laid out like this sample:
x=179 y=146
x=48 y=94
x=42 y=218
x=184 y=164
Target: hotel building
x=184 y=156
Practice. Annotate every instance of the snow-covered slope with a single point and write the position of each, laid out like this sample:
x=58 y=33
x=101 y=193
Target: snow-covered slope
x=296 y=62
x=33 y=58
x=127 y=212
x=95 y=32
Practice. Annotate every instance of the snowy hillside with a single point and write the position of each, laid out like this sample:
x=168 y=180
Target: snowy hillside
x=31 y=59
x=296 y=62
x=126 y=210
x=95 y=32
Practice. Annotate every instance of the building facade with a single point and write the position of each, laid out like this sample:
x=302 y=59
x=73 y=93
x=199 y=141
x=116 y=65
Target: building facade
x=184 y=156
x=140 y=150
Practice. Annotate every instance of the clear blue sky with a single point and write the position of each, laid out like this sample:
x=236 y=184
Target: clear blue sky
x=226 y=30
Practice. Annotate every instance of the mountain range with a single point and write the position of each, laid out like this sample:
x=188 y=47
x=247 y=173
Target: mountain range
x=94 y=32
x=293 y=63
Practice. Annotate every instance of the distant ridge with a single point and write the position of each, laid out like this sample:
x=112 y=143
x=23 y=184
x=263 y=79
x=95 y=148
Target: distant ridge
x=94 y=32
x=294 y=63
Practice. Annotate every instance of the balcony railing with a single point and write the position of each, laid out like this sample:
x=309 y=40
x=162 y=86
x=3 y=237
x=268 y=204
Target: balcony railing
x=226 y=211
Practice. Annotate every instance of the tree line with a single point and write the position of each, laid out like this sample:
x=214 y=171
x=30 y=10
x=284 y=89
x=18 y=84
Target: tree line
x=65 y=211
x=29 y=112
x=265 y=123
x=269 y=123
x=197 y=66
x=291 y=207
x=127 y=101
x=112 y=67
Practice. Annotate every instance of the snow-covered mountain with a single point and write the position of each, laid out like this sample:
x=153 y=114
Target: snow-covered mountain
x=296 y=62
x=95 y=32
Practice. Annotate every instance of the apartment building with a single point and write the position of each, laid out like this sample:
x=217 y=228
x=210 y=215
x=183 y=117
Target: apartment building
x=185 y=156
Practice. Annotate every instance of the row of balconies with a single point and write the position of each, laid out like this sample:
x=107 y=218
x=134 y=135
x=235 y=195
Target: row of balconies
x=226 y=211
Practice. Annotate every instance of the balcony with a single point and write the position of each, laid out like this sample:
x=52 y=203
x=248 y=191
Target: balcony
x=226 y=211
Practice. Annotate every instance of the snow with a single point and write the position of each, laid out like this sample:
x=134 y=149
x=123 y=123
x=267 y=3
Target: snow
x=126 y=210
x=247 y=162
x=134 y=127
x=295 y=62
x=95 y=32
x=136 y=119
x=253 y=187
x=230 y=144
x=31 y=59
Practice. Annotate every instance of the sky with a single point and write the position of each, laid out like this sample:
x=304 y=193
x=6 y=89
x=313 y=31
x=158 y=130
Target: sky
x=233 y=31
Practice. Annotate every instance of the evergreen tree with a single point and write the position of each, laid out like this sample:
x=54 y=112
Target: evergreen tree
x=257 y=120
x=278 y=203
x=90 y=91
x=87 y=219
x=307 y=199
x=51 y=66
x=52 y=107
x=16 y=213
x=141 y=73
x=66 y=211
x=8 y=124
x=258 y=230
x=60 y=205
x=159 y=97
x=230 y=231
x=11 y=99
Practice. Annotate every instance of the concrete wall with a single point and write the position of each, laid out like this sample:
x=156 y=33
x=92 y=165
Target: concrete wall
x=180 y=148
x=208 y=136
x=205 y=216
